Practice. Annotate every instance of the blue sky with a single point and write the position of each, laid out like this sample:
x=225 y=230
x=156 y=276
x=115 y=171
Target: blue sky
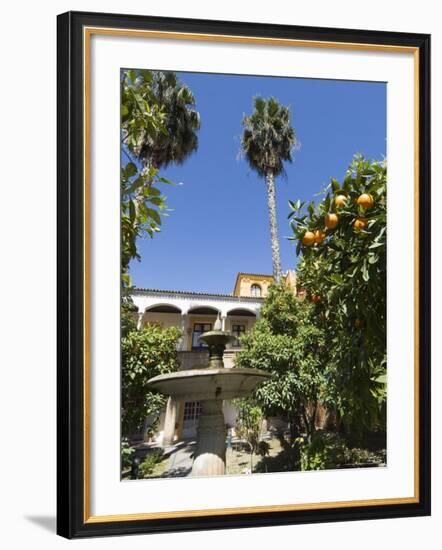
x=219 y=221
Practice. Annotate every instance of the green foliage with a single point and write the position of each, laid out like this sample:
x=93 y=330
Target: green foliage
x=145 y=353
x=248 y=423
x=127 y=453
x=347 y=271
x=141 y=115
x=142 y=207
x=285 y=342
x=329 y=450
x=268 y=138
x=177 y=138
x=282 y=310
x=365 y=456
x=127 y=316
x=325 y=451
x=141 y=112
x=150 y=461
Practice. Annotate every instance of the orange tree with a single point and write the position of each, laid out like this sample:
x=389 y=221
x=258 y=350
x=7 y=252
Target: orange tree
x=285 y=342
x=145 y=353
x=342 y=270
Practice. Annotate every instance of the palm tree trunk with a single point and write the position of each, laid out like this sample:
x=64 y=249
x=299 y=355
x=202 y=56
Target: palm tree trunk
x=271 y=203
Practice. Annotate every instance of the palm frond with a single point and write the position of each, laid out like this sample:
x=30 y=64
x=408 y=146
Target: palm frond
x=268 y=138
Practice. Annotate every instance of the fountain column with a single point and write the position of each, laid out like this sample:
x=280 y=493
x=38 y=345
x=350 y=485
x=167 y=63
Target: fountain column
x=210 y=454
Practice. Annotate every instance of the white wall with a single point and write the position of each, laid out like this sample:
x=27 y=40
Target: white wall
x=186 y=303
x=27 y=401
x=166 y=320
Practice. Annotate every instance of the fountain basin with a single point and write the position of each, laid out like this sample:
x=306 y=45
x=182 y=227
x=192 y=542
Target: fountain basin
x=209 y=383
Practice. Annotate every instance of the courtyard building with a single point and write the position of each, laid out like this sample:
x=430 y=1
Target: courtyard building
x=195 y=313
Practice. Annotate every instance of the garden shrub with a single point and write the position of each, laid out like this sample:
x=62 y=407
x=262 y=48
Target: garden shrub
x=327 y=450
x=144 y=354
x=127 y=452
x=150 y=461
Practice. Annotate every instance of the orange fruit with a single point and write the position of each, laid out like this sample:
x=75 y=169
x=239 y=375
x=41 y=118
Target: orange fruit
x=331 y=220
x=319 y=236
x=316 y=298
x=365 y=200
x=359 y=224
x=309 y=238
x=340 y=200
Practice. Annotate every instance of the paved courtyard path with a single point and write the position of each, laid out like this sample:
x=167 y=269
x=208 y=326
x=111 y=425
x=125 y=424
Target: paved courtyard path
x=180 y=460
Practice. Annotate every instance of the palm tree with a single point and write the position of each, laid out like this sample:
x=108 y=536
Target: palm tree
x=268 y=140
x=178 y=137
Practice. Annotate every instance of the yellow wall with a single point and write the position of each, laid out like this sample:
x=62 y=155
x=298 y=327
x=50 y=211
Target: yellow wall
x=245 y=281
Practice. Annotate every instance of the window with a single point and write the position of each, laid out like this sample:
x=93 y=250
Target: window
x=192 y=410
x=255 y=291
x=238 y=330
x=198 y=329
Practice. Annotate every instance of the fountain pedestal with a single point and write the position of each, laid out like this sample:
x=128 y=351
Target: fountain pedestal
x=210 y=385
x=210 y=454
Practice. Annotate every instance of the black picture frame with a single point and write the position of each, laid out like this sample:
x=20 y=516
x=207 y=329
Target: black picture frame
x=71 y=395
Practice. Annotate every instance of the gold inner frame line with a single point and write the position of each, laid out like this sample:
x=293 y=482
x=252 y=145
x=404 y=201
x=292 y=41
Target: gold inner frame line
x=87 y=33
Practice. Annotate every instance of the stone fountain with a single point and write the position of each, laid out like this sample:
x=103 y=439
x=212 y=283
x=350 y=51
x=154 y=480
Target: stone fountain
x=210 y=385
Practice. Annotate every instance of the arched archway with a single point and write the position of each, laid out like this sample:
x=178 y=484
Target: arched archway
x=163 y=308
x=163 y=314
x=203 y=310
x=241 y=312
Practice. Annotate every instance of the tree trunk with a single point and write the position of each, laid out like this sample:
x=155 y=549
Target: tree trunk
x=271 y=202
x=313 y=419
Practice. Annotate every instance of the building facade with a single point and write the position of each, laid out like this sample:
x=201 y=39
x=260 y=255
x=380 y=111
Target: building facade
x=195 y=313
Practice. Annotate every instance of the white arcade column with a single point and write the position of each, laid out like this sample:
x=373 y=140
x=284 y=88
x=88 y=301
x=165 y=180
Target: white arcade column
x=140 y=320
x=183 y=328
x=170 y=422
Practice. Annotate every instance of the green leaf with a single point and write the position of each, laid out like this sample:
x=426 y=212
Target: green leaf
x=154 y=215
x=132 y=75
x=381 y=379
x=376 y=245
x=130 y=170
x=165 y=180
x=152 y=192
x=132 y=211
x=159 y=201
x=138 y=182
